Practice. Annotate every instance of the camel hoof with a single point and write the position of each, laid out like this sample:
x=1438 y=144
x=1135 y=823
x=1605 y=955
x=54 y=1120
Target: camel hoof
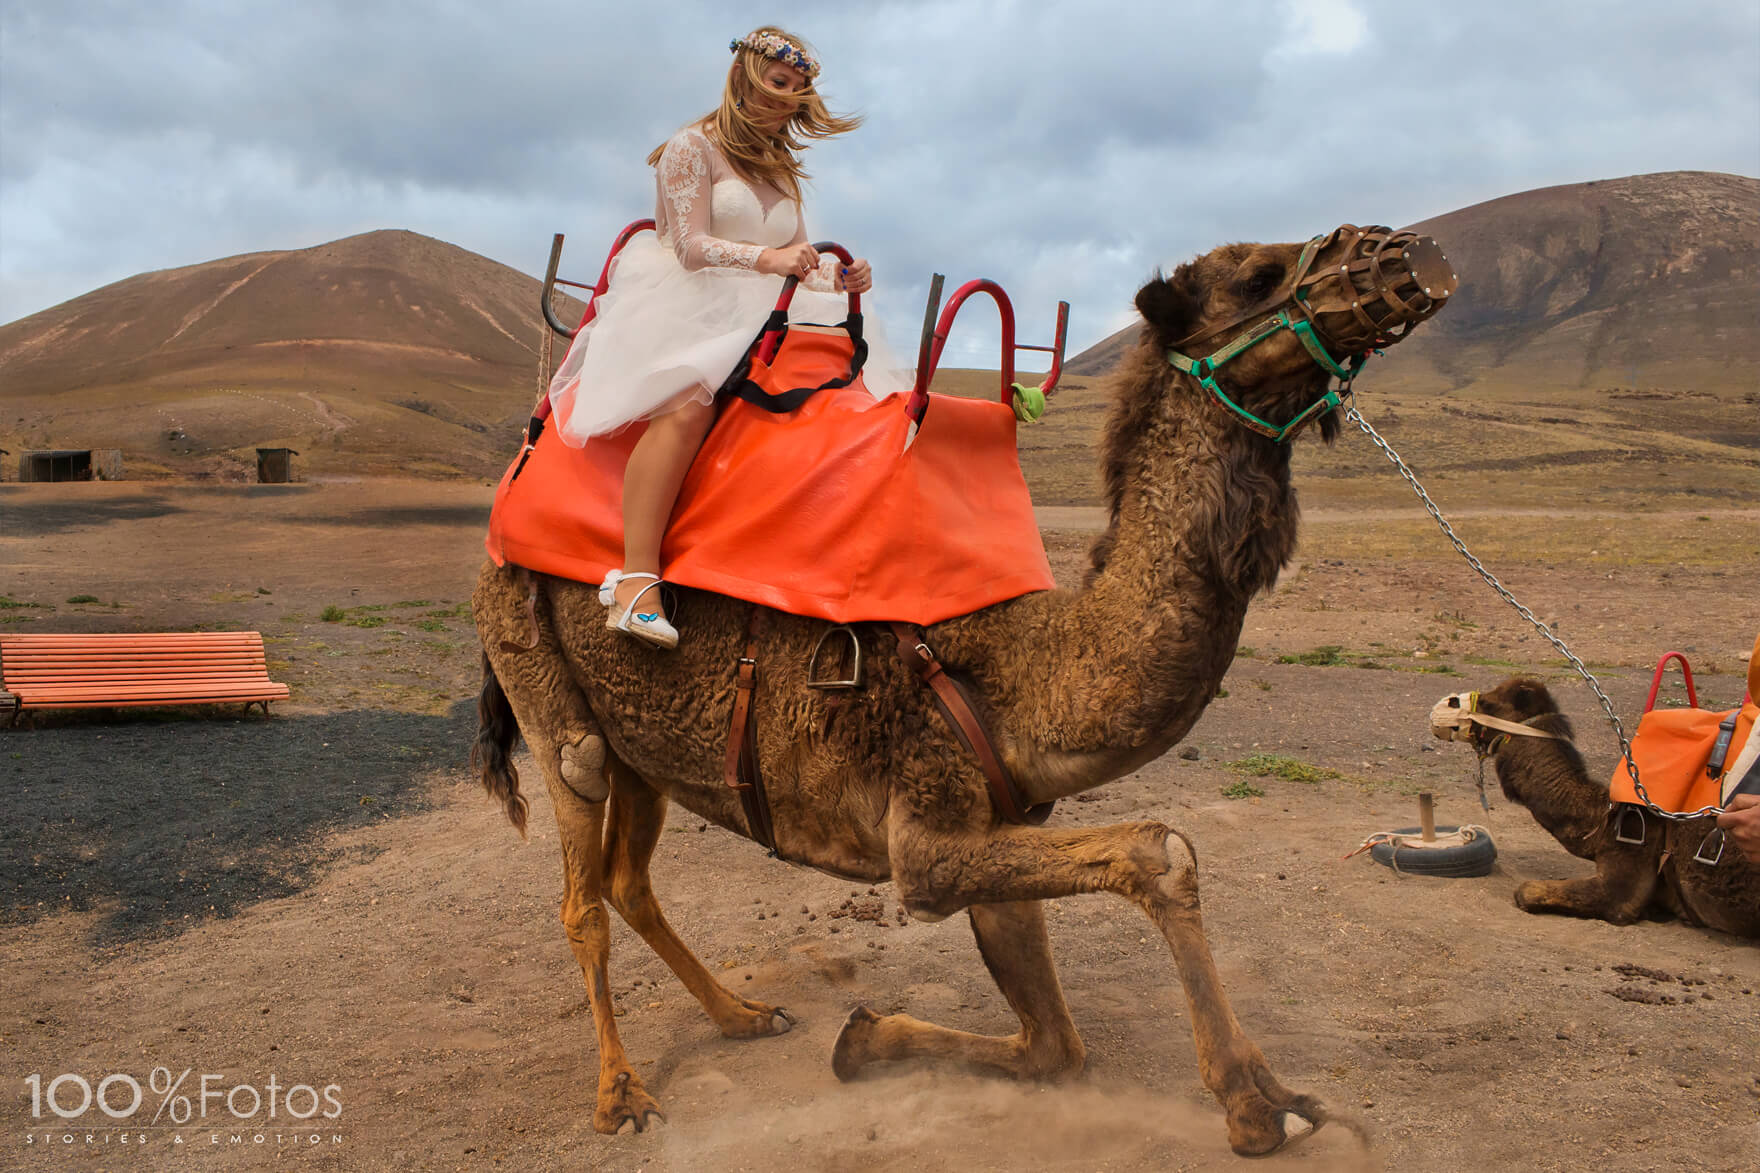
x=754 y=1020
x=1281 y=1136
x=1265 y=1127
x=648 y=1122
x=626 y=1107
x=1527 y=895
x=850 y=1050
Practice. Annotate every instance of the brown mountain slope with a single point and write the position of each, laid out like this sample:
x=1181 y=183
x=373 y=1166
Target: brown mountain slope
x=1652 y=280
x=385 y=350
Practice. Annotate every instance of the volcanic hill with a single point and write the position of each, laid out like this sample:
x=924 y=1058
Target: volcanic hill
x=1642 y=282
x=383 y=352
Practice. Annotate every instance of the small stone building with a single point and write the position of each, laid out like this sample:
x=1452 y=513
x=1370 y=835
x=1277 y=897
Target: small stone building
x=71 y=464
x=275 y=465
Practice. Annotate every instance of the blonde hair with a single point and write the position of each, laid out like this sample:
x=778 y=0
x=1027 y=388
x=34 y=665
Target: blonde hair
x=758 y=153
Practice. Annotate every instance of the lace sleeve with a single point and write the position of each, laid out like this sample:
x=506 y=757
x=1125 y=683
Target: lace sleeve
x=683 y=176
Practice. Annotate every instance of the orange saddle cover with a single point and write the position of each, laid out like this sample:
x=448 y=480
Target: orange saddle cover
x=1672 y=747
x=818 y=511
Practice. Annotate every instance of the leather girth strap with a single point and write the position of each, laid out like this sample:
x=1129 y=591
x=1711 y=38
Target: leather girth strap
x=957 y=708
x=741 y=768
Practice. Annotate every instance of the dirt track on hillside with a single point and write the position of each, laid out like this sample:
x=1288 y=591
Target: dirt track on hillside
x=326 y=897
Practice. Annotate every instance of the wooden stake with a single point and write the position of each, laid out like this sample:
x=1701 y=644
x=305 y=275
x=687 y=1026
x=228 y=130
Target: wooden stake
x=1427 y=816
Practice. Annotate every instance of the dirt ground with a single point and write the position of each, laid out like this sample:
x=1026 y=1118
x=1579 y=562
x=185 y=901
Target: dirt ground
x=326 y=898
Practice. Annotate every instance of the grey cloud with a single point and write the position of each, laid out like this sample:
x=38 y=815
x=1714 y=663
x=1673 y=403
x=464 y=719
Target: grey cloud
x=1064 y=150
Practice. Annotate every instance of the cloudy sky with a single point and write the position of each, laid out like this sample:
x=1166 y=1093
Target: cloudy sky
x=1064 y=149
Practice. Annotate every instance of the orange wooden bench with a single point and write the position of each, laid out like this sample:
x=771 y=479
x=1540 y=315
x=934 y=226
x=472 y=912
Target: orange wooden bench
x=47 y=671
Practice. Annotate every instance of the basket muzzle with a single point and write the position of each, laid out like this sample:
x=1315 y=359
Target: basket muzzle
x=1452 y=717
x=1341 y=304
x=1384 y=284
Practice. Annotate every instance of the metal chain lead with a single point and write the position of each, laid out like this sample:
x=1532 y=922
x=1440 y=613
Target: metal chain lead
x=1351 y=413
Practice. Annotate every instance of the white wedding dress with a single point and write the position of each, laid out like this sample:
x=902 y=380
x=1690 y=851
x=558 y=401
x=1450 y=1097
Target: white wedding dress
x=684 y=303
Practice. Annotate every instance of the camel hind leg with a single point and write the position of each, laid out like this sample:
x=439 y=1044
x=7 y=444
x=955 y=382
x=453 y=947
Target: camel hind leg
x=638 y=814
x=527 y=682
x=1017 y=951
x=622 y=1101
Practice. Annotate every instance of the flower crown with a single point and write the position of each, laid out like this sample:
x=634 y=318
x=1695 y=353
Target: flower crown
x=777 y=49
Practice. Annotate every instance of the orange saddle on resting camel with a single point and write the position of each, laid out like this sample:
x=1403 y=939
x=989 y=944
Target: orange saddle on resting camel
x=820 y=508
x=1692 y=758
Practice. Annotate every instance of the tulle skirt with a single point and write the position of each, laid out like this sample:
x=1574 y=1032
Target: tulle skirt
x=665 y=336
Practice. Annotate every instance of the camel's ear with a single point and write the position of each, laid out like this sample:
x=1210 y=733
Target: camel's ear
x=1531 y=698
x=1171 y=305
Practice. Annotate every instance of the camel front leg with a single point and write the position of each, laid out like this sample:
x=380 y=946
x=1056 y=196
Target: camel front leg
x=638 y=815
x=937 y=875
x=1016 y=950
x=1616 y=894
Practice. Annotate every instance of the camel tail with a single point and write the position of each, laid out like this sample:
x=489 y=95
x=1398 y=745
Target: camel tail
x=492 y=751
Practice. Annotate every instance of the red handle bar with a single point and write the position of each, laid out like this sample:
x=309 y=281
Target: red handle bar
x=933 y=344
x=773 y=338
x=1656 y=680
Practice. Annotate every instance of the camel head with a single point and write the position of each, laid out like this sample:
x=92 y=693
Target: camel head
x=1517 y=699
x=1479 y=717
x=1265 y=327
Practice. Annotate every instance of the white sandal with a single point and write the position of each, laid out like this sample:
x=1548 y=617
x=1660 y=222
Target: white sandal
x=650 y=626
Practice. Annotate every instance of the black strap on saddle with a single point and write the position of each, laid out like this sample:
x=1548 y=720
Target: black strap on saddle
x=740 y=385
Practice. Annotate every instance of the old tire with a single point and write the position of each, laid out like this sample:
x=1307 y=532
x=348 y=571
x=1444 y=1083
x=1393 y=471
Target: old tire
x=1472 y=858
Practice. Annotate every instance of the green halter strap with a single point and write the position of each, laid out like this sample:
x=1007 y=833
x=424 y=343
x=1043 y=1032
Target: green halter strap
x=1204 y=371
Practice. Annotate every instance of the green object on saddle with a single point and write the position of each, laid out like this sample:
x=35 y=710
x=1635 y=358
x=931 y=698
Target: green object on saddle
x=1029 y=403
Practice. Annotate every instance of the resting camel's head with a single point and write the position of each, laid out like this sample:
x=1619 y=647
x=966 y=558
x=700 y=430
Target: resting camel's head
x=1517 y=699
x=1245 y=308
x=1520 y=699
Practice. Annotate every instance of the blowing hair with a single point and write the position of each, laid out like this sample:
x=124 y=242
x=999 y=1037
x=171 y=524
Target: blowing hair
x=759 y=153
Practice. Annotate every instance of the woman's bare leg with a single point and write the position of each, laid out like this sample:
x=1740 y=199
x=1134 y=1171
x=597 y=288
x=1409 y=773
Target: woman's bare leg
x=651 y=480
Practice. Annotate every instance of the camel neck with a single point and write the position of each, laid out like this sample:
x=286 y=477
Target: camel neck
x=1548 y=777
x=1203 y=518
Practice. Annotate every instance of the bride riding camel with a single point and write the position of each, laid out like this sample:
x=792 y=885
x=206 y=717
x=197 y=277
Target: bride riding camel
x=684 y=304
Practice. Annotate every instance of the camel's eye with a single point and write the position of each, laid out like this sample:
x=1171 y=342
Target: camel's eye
x=1262 y=281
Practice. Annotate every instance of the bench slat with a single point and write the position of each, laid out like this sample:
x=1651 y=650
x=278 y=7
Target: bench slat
x=38 y=695
x=205 y=638
x=131 y=666
x=27 y=666
x=129 y=678
x=113 y=703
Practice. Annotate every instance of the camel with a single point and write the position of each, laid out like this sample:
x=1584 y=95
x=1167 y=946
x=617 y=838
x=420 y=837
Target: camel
x=1657 y=879
x=1079 y=687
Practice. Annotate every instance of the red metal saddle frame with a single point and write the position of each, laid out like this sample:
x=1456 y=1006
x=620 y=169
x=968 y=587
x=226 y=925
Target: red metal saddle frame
x=937 y=322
